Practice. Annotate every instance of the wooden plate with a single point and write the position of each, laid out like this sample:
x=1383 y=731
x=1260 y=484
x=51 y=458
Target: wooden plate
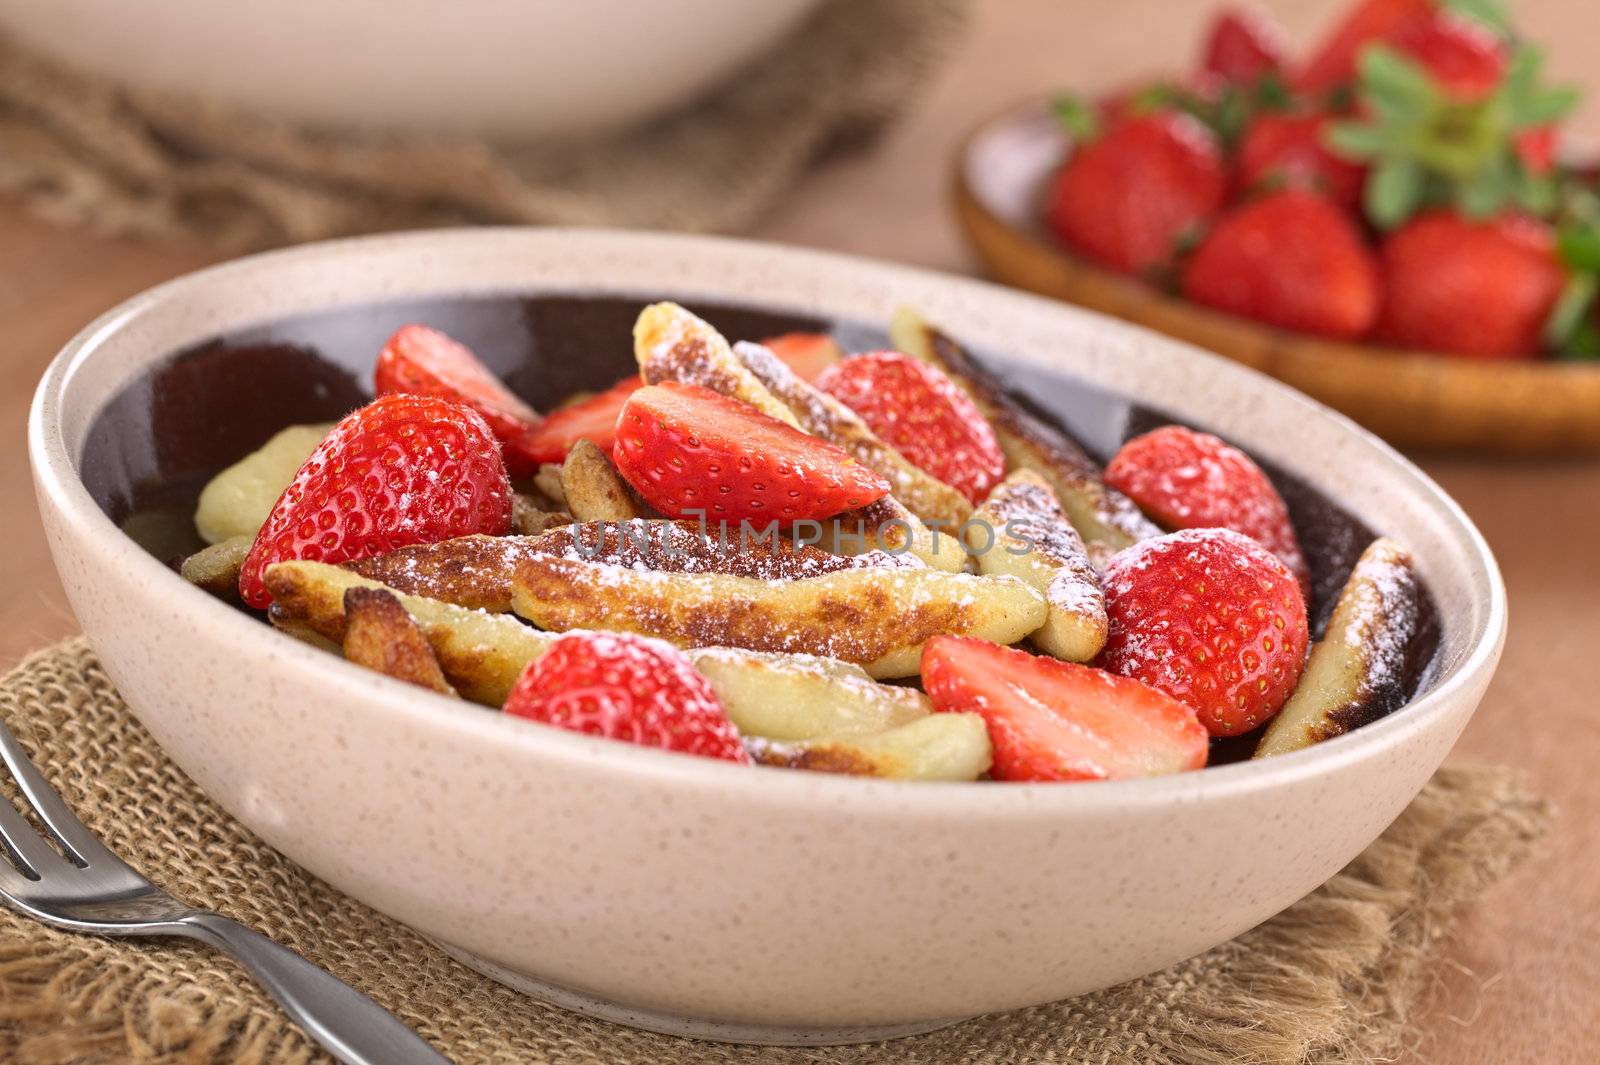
x=1410 y=398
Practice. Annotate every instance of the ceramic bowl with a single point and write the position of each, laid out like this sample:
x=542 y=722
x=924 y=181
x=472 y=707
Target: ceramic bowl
x=664 y=890
x=504 y=68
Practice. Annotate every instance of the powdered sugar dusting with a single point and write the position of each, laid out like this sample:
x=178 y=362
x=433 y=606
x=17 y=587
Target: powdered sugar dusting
x=649 y=545
x=1378 y=614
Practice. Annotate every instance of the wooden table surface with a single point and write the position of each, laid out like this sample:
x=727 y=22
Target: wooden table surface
x=1521 y=982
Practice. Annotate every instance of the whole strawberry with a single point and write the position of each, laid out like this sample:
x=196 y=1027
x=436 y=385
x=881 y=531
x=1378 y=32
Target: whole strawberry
x=1211 y=618
x=1470 y=288
x=426 y=362
x=1466 y=59
x=1129 y=199
x=626 y=687
x=1243 y=45
x=1332 y=64
x=1291 y=259
x=693 y=453
x=1289 y=150
x=402 y=470
x=1190 y=480
x=917 y=408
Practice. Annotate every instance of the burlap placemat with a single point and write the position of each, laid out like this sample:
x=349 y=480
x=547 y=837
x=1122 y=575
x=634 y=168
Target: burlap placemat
x=1333 y=978
x=178 y=168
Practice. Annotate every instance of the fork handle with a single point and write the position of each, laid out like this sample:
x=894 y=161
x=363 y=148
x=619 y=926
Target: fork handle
x=346 y=1023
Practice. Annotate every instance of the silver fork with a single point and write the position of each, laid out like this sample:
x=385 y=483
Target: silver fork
x=92 y=890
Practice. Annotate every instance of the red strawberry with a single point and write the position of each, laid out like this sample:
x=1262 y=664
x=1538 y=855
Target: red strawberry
x=693 y=453
x=626 y=687
x=1211 y=618
x=1290 y=149
x=1243 y=45
x=593 y=419
x=1536 y=148
x=425 y=362
x=1334 y=63
x=921 y=412
x=1189 y=480
x=402 y=470
x=1470 y=288
x=807 y=354
x=1055 y=720
x=1465 y=58
x=1291 y=259
x=1130 y=198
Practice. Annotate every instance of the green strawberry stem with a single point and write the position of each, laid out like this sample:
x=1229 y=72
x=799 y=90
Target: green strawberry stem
x=1428 y=150
x=1572 y=331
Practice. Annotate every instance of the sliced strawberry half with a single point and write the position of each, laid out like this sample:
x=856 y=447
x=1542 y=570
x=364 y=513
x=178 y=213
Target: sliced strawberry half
x=922 y=413
x=593 y=419
x=1055 y=720
x=425 y=362
x=691 y=452
x=404 y=469
x=1191 y=480
x=807 y=354
x=626 y=687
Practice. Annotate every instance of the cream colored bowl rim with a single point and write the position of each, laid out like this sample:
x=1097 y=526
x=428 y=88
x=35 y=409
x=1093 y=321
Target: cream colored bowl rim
x=58 y=481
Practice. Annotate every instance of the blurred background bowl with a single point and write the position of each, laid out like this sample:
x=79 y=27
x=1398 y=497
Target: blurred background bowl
x=502 y=68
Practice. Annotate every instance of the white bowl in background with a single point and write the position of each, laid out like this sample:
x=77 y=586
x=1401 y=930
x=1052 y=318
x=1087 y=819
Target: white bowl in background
x=507 y=68
x=703 y=897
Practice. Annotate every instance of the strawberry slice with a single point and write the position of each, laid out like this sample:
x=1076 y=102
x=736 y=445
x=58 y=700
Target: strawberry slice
x=425 y=362
x=1055 y=720
x=626 y=687
x=593 y=419
x=693 y=453
x=1189 y=480
x=1243 y=45
x=402 y=470
x=807 y=354
x=924 y=414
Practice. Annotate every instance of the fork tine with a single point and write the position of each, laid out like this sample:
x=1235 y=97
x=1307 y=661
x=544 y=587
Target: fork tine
x=77 y=839
x=35 y=856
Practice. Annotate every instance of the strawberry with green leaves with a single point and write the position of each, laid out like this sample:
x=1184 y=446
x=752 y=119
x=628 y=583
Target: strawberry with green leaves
x=1449 y=117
